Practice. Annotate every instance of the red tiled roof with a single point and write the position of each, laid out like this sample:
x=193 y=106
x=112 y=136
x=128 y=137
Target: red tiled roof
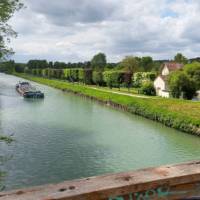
x=172 y=66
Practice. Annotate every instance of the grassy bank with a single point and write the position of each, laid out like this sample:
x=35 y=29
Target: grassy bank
x=179 y=114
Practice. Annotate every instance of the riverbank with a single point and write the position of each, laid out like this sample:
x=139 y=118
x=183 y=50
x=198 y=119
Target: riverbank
x=179 y=114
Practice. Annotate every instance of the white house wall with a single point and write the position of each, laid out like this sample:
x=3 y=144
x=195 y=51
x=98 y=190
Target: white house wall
x=165 y=71
x=163 y=94
x=159 y=84
x=160 y=87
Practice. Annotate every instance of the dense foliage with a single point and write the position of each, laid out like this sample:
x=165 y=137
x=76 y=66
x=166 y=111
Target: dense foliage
x=7 y=9
x=97 y=78
x=148 y=89
x=127 y=79
x=140 y=77
x=185 y=83
x=99 y=61
x=113 y=78
x=179 y=58
x=33 y=64
x=9 y=67
x=193 y=71
x=37 y=64
x=181 y=85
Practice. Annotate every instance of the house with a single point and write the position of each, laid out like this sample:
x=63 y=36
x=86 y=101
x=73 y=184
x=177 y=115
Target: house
x=160 y=82
x=197 y=96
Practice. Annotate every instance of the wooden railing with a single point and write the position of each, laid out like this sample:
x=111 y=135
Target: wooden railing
x=167 y=182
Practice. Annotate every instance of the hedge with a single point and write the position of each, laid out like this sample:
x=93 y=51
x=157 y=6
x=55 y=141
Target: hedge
x=140 y=77
x=85 y=76
x=113 y=78
x=71 y=75
x=97 y=77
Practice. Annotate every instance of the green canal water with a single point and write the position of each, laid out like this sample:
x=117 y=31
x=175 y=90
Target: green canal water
x=66 y=137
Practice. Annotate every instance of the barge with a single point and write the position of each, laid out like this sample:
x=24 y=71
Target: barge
x=26 y=90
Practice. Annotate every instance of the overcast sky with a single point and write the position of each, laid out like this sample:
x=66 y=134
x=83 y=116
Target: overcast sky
x=75 y=30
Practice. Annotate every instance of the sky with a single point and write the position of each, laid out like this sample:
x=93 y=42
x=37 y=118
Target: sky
x=75 y=30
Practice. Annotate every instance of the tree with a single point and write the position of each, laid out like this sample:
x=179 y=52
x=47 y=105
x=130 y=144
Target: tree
x=180 y=84
x=180 y=58
x=37 y=64
x=129 y=63
x=50 y=64
x=128 y=79
x=97 y=77
x=98 y=62
x=146 y=63
x=140 y=77
x=85 y=75
x=148 y=89
x=111 y=65
x=71 y=74
x=59 y=65
x=113 y=78
x=7 y=67
x=19 y=67
x=88 y=76
x=7 y=9
x=193 y=70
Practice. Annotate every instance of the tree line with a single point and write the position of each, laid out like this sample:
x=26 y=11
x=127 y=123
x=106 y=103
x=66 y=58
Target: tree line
x=130 y=72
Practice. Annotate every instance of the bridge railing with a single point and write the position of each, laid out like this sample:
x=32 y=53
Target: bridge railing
x=180 y=181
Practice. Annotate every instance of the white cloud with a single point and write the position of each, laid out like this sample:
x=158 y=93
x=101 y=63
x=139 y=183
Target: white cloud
x=76 y=30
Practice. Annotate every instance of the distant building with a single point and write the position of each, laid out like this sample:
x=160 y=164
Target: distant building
x=160 y=83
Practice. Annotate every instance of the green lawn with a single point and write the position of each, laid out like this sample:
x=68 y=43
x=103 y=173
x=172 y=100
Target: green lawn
x=180 y=114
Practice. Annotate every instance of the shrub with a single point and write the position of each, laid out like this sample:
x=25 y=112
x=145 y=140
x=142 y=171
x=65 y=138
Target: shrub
x=87 y=76
x=113 y=78
x=148 y=89
x=27 y=70
x=45 y=72
x=193 y=70
x=97 y=77
x=181 y=84
x=151 y=76
x=137 y=79
x=140 y=77
x=81 y=75
x=34 y=71
x=19 y=68
x=51 y=73
x=128 y=79
x=74 y=74
x=39 y=72
x=66 y=73
x=56 y=73
x=71 y=74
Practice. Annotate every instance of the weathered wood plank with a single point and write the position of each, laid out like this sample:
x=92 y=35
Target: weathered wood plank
x=166 y=182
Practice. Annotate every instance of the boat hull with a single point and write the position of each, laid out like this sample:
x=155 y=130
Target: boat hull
x=24 y=89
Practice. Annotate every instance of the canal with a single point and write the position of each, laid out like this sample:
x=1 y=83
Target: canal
x=65 y=137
